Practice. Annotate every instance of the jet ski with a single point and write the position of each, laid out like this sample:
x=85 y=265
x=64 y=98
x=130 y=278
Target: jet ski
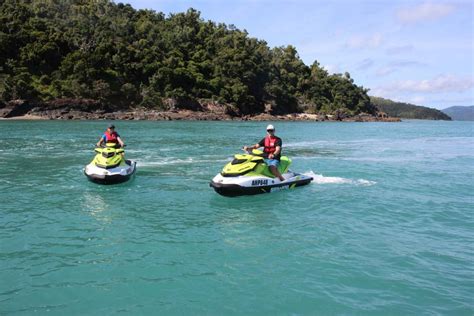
x=247 y=174
x=109 y=166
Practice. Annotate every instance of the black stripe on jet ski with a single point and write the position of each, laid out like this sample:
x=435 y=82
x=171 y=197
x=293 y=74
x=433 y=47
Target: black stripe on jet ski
x=237 y=190
x=113 y=179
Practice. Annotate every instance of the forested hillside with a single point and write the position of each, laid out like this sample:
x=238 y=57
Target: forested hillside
x=407 y=111
x=122 y=57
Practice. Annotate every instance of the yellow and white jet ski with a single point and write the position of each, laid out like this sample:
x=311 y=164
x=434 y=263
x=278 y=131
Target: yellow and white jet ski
x=109 y=166
x=247 y=174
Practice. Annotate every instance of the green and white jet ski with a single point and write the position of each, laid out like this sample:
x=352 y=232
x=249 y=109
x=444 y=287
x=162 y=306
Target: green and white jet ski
x=247 y=174
x=109 y=166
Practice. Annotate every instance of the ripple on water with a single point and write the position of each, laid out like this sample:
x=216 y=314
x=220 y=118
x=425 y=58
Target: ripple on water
x=384 y=228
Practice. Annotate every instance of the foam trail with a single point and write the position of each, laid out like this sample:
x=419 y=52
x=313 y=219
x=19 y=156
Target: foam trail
x=166 y=162
x=320 y=179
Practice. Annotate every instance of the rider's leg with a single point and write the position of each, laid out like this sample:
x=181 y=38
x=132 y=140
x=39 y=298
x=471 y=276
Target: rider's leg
x=276 y=173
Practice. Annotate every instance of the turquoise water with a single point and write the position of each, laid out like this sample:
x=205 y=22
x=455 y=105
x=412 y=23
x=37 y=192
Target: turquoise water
x=386 y=228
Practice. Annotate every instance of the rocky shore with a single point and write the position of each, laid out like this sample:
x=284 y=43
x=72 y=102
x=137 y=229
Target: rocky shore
x=84 y=109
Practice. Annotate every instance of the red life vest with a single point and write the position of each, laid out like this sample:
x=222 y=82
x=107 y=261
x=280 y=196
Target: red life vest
x=111 y=137
x=269 y=147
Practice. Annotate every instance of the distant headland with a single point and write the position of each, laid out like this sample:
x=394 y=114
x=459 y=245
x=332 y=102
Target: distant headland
x=460 y=113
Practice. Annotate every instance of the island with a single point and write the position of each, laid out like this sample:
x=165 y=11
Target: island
x=105 y=60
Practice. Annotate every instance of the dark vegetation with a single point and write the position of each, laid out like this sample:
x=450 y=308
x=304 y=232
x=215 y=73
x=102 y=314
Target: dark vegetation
x=406 y=110
x=123 y=58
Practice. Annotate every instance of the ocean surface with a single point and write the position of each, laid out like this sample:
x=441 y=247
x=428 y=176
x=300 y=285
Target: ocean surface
x=386 y=227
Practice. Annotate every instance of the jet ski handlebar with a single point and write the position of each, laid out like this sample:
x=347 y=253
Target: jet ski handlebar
x=254 y=152
x=105 y=146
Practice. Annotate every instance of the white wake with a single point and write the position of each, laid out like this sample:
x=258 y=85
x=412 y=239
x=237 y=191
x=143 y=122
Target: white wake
x=320 y=179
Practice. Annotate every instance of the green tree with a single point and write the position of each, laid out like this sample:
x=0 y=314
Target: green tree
x=125 y=57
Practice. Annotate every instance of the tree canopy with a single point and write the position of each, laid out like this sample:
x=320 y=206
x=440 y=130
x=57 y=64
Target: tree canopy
x=123 y=57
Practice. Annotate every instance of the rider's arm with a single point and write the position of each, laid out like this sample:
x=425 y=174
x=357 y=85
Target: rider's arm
x=101 y=140
x=257 y=145
x=253 y=146
x=120 y=141
x=276 y=153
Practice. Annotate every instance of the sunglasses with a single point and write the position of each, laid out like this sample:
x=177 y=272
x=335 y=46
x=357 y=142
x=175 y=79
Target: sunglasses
x=270 y=130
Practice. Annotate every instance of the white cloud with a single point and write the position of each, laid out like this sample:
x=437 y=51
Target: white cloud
x=417 y=99
x=451 y=101
x=360 y=41
x=332 y=69
x=439 y=84
x=424 y=12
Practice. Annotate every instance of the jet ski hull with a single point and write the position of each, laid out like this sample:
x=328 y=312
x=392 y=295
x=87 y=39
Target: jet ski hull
x=243 y=185
x=115 y=175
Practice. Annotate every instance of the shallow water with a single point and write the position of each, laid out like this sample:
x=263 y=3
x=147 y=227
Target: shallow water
x=386 y=227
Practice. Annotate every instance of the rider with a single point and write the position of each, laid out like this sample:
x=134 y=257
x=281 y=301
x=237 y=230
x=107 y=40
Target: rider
x=272 y=150
x=111 y=136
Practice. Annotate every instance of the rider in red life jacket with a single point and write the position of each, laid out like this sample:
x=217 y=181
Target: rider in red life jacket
x=272 y=148
x=111 y=136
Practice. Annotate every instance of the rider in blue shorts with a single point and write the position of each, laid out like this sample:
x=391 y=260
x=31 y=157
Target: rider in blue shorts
x=272 y=149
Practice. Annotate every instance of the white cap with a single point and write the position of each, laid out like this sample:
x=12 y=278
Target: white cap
x=270 y=126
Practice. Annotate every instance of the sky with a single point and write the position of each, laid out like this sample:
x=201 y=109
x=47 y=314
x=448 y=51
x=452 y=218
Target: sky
x=420 y=52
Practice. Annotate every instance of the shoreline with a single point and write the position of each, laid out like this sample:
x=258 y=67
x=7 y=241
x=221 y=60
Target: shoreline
x=85 y=109
x=187 y=115
x=26 y=117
